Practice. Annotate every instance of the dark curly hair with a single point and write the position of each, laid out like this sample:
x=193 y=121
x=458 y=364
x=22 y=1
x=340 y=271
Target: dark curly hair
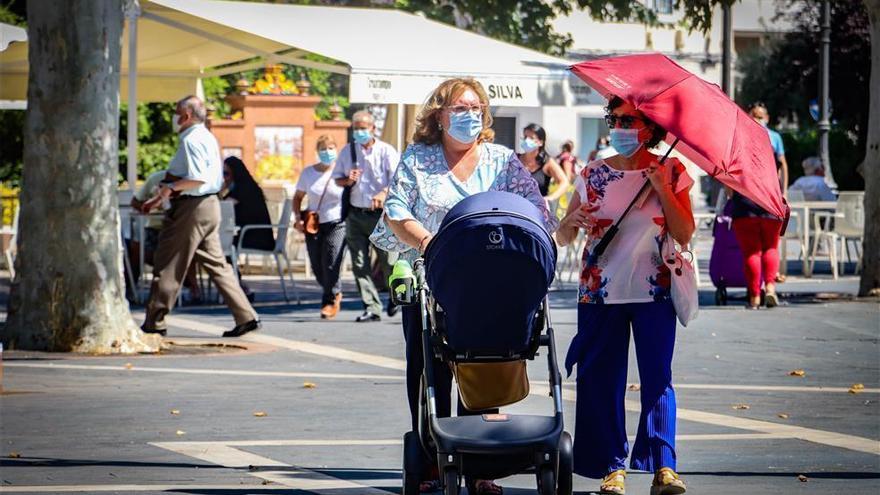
x=658 y=133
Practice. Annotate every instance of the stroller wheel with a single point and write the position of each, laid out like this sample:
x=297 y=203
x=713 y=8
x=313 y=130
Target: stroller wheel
x=566 y=465
x=451 y=482
x=412 y=463
x=547 y=481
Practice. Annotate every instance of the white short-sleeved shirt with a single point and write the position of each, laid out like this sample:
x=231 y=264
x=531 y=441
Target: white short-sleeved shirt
x=814 y=188
x=631 y=269
x=198 y=158
x=377 y=163
x=312 y=182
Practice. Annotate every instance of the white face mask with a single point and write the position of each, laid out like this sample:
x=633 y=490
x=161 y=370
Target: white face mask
x=175 y=124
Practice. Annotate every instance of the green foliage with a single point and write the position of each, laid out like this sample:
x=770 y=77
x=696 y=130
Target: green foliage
x=784 y=75
x=13 y=13
x=157 y=141
x=697 y=14
x=529 y=24
x=216 y=89
x=11 y=145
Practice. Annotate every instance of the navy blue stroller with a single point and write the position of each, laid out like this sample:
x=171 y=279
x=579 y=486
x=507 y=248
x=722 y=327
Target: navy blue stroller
x=482 y=288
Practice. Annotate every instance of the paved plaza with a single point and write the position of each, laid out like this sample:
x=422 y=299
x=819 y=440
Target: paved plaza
x=311 y=406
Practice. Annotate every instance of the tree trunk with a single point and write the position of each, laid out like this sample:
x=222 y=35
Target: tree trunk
x=870 y=282
x=68 y=294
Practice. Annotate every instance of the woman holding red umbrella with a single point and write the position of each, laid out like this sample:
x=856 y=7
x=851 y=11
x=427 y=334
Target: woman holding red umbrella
x=626 y=287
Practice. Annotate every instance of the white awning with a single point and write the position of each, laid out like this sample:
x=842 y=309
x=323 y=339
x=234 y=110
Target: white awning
x=393 y=56
x=390 y=55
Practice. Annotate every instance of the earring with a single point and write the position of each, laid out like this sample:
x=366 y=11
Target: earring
x=439 y=126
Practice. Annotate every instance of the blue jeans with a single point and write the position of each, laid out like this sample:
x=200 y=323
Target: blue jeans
x=600 y=349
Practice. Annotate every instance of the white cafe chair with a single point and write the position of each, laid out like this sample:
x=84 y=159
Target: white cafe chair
x=848 y=226
x=279 y=251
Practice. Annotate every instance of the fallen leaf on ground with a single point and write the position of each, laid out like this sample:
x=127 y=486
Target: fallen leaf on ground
x=266 y=482
x=14 y=455
x=309 y=385
x=802 y=478
x=797 y=372
x=635 y=387
x=782 y=416
x=260 y=414
x=180 y=433
x=856 y=388
x=742 y=407
x=129 y=366
x=175 y=412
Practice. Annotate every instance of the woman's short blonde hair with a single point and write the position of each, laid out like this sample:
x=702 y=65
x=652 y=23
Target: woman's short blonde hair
x=428 y=129
x=324 y=141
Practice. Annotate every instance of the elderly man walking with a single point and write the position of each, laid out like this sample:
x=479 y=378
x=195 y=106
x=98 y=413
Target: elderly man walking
x=366 y=165
x=190 y=228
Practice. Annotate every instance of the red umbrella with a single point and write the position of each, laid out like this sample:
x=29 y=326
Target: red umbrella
x=713 y=131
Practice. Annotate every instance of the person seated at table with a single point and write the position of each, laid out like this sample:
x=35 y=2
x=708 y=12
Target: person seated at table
x=812 y=184
x=250 y=209
x=151 y=235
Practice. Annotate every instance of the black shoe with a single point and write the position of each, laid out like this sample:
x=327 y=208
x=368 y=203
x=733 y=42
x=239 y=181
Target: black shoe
x=242 y=329
x=368 y=316
x=159 y=328
x=393 y=309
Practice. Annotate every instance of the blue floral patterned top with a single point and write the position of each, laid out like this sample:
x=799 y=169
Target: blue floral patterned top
x=424 y=189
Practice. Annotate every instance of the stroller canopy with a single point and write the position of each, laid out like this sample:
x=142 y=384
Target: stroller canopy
x=489 y=267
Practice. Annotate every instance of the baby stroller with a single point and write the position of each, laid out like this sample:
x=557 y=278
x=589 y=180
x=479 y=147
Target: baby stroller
x=482 y=289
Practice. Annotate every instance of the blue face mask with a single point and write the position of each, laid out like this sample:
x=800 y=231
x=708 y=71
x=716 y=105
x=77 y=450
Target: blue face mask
x=528 y=144
x=327 y=156
x=362 y=136
x=625 y=141
x=464 y=127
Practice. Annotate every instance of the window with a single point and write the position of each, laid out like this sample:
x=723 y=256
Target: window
x=663 y=6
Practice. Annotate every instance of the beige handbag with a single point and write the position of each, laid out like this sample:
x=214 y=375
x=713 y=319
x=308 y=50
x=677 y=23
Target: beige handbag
x=490 y=385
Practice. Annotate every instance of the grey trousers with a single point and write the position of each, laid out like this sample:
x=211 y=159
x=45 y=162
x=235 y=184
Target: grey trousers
x=359 y=225
x=190 y=233
x=325 y=255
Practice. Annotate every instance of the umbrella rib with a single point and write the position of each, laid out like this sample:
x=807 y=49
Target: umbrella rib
x=669 y=87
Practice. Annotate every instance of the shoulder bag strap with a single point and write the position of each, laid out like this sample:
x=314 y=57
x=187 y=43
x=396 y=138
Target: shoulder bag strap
x=327 y=184
x=612 y=231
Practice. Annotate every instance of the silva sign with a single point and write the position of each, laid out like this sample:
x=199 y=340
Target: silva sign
x=414 y=89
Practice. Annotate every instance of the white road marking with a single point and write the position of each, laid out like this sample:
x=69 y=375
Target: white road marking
x=359 y=376
x=201 y=371
x=293 y=477
x=841 y=440
x=763 y=388
x=294 y=345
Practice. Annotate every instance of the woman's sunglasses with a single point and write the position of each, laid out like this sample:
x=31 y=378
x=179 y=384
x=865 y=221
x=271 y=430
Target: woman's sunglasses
x=625 y=121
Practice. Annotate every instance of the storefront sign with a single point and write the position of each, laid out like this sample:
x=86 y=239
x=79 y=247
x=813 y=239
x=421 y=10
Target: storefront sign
x=414 y=89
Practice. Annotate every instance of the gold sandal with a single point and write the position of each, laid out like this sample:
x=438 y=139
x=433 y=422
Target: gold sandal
x=667 y=482
x=613 y=483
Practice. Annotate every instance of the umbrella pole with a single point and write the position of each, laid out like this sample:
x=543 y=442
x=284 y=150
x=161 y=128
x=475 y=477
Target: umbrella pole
x=612 y=231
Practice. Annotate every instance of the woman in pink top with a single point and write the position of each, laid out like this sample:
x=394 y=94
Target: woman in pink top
x=626 y=287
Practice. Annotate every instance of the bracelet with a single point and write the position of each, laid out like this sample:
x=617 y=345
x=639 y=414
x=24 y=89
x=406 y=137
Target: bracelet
x=422 y=241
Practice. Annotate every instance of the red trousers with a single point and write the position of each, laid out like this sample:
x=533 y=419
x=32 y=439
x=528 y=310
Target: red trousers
x=759 y=241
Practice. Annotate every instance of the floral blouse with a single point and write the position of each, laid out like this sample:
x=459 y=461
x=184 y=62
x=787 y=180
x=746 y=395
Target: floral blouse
x=424 y=189
x=631 y=269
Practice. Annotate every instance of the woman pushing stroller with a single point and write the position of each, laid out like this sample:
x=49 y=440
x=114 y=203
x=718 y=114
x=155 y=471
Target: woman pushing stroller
x=450 y=159
x=626 y=287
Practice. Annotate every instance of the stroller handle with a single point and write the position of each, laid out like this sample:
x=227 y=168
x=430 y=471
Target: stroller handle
x=419 y=270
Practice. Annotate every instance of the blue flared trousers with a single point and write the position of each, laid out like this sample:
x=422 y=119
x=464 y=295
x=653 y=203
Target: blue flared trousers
x=600 y=349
